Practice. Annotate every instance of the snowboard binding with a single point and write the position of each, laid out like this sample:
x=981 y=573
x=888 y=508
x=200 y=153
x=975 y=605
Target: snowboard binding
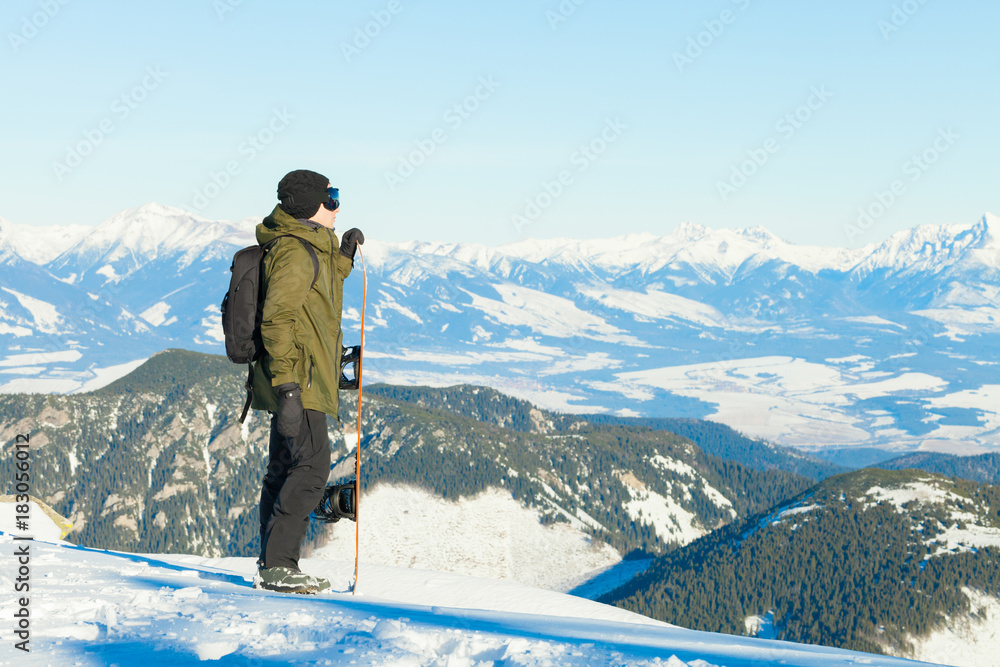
x=350 y=355
x=338 y=503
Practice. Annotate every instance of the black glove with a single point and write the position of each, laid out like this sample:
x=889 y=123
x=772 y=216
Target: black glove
x=349 y=243
x=289 y=409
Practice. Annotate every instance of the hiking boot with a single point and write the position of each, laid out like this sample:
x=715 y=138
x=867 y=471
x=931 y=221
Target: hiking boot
x=322 y=585
x=287 y=580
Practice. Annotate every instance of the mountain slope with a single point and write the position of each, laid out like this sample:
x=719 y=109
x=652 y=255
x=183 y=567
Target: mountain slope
x=722 y=441
x=124 y=608
x=869 y=560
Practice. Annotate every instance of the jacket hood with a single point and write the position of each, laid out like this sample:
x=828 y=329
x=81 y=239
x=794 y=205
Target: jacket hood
x=280 y=223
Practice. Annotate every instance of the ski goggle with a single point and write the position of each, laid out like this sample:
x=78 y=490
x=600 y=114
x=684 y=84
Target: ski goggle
x=333 y=199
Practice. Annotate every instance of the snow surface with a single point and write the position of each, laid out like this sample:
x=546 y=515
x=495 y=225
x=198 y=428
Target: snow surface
x=43 y=526
x=655 y=304
x=761 y=626
x=72 y=382
x=157 y=314
x=926 y=492
x=670 y=521
x=45 y=316
x=489 y=535
x=547 y=314
x=791 y=400
x=40 y=357
x=968 y=640
x=792 y=511
x=95 y=607
x=971 y=535
x=105 y=376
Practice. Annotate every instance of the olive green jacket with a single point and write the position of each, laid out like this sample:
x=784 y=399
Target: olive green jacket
x=300 y=326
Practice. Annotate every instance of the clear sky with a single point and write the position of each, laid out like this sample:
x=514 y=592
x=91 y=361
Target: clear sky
x=495 y=121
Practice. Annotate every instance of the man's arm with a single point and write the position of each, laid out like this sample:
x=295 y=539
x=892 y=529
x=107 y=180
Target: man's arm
x=288 y=272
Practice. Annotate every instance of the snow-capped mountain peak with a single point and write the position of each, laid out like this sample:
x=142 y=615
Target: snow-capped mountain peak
x=136 y=236
x=690 y=231
x=936 y=249
x=150 y=229
x=27 y=243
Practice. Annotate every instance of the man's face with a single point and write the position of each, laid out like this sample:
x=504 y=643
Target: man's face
x=325 y=216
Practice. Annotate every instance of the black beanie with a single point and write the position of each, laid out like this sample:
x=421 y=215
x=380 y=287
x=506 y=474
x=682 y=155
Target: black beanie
x=301 y=192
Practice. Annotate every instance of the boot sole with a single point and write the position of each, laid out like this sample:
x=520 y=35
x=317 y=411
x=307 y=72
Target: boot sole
x=301 y=590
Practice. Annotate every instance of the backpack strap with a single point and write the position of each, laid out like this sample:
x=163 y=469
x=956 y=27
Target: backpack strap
x=309 y=249
x=249 y=388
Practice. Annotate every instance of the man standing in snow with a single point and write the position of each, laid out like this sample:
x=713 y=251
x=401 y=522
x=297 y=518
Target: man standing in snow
x=298 y=378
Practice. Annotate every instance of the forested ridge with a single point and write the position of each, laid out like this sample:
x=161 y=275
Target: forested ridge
x=983 y=468
x=519 y=415
x=863 y=560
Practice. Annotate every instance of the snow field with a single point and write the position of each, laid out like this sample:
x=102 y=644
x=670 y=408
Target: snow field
x=69 y=382
x=967 y=641
x=665 y=515
x=94 y=607
x=547 y=314
x=157 y=314
x=923 y=492
x=952 y=539
x=797 y=402
x=490 y=535
x=45 y=316
x=655 y=305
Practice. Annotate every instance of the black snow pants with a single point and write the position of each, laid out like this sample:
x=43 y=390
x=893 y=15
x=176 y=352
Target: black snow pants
x=297 y=472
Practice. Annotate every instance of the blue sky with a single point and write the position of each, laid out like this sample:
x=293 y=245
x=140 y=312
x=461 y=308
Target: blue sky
x=493 y=122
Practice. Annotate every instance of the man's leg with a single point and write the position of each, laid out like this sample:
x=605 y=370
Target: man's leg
x=279 y=460
x=301 y=491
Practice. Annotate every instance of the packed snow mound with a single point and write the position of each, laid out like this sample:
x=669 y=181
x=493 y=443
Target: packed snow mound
x=99 y=607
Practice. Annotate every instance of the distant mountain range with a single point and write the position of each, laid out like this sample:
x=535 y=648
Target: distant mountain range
x=892 y=345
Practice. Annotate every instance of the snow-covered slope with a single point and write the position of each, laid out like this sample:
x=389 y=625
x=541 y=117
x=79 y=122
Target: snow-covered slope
x=98 y=607
x=491 y=535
